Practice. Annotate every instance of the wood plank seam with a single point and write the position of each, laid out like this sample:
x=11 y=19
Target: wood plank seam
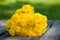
x=47 y=29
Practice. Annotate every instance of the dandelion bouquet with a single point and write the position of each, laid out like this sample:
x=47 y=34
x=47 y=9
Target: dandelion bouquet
x=25 y=22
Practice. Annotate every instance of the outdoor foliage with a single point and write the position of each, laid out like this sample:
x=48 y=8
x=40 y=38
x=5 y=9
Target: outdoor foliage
x=51 y=11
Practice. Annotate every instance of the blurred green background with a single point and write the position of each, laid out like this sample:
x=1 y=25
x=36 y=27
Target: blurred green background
x=50 y=8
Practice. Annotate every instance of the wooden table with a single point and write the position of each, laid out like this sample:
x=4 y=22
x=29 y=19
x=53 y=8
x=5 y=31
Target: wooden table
x=52 y=33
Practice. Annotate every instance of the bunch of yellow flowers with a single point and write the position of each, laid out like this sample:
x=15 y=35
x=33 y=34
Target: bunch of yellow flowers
x=25 y=22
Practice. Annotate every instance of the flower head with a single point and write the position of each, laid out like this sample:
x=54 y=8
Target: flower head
x=25 y=22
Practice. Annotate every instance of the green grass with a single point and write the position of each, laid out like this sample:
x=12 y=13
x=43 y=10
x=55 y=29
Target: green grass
x=51 y=11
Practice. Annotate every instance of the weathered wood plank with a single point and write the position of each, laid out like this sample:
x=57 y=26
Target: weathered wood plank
x=2 y=30
x=53 y=33
x=2 y=26
x=4 y=36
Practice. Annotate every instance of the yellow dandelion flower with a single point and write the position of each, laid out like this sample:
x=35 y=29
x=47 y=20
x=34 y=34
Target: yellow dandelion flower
x=28 y=9
x=12 y=32
x=10 y=23
x=27 y=23
x=15 y=17
x=31 y=33
x=18 y=11
x=22 y=22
